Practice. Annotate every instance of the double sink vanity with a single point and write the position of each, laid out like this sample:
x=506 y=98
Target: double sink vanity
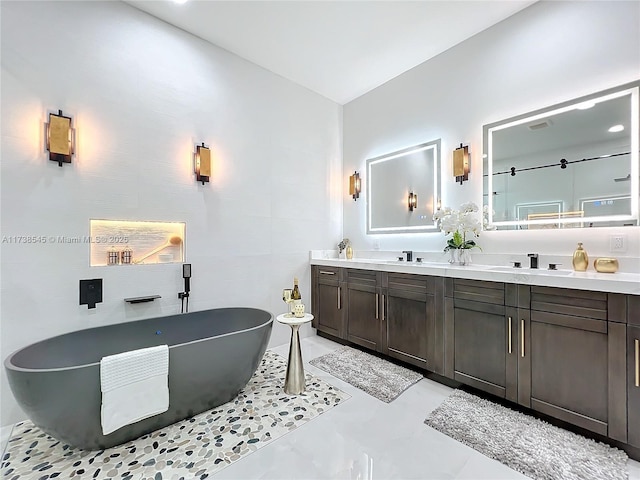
x=562 y=343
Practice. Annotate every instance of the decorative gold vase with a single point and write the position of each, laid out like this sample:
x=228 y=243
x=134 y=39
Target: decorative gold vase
x=580 y=259
x=606 y=265
x=349 y=252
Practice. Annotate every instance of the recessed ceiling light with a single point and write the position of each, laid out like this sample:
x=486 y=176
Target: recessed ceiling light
x=586 y=105
x=616 y=128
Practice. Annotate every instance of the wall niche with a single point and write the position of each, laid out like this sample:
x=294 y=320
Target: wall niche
x=123 y=242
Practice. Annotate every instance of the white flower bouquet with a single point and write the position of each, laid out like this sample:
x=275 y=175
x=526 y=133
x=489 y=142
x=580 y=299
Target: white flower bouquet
x=460 y=224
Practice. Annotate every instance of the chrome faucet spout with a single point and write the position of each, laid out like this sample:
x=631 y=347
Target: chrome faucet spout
x=533 y=258
x=409 y=255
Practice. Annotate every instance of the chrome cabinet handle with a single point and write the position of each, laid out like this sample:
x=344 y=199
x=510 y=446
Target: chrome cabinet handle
x=339 y=306
x=509 y=337
x=383 y=308
x=522 y=338
x=377 y=306
x=637 y=342
x=324 y=272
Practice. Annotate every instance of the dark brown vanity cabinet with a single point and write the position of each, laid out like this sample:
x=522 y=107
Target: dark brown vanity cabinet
x=481 y=336
x=328 y=300
x=633 y=371
x=572 y=364
x=558 y=351
x=409 y=316
x=570 y=354
x=364 y=308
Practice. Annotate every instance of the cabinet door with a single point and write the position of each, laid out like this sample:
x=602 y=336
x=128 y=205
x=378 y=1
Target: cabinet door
x=484 y=341
x=409 y=313
x=330 y=310
x=363 y=309
x=571 y=355
x=569 y=369
x=327 y=299
x=633 y=385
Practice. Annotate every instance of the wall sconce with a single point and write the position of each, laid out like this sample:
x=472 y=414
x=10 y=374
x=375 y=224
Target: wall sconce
x=355 y=185
x=461 y=163
x=60 y=137
x=202 y=163
x=412 y=201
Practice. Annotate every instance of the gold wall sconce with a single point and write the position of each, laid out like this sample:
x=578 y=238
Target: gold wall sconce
x=412 y=201
x=461 y=163
x=203 y=163
x=355 y=186
x=60 y=137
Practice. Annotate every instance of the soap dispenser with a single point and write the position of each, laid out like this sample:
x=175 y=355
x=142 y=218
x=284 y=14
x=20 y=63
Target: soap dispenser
x=580 y=259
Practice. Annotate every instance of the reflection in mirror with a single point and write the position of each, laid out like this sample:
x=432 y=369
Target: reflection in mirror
x=390 y=180
x=570 y=165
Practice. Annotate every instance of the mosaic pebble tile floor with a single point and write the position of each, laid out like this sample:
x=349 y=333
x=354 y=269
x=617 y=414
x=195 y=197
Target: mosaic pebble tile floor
x=194 y=448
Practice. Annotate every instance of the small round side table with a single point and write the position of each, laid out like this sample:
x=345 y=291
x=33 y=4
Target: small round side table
x=294 y=383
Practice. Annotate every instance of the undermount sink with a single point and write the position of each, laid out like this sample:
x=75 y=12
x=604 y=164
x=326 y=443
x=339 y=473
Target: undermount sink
x=411 y=264
x=534 y=271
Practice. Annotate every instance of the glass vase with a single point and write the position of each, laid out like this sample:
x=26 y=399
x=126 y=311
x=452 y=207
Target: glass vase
x=464 y=256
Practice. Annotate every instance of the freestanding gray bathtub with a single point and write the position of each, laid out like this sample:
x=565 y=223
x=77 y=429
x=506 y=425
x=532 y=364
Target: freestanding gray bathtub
x=212 y=356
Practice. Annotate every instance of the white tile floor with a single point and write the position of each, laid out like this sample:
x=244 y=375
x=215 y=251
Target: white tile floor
x=365 y=438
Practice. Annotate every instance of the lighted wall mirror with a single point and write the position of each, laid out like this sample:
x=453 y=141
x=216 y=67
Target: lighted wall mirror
x=569 y=165
x=390 y=180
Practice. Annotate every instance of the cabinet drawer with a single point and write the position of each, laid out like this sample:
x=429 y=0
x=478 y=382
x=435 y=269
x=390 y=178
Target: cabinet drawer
x=478 y=291
x=569 y=321
x=579 y=303
x=329 y=275
x=470 y=305
x=410 y=286
x=361 y=277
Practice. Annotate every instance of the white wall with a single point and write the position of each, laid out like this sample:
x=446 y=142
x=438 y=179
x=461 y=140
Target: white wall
x=142 y=94
x=547 y=53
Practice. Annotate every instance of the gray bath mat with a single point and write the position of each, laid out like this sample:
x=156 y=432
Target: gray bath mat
x=529 y=445
x=379 y=378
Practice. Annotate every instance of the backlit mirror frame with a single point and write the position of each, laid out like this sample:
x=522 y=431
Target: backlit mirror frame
x=630 y=89
x=424 y=197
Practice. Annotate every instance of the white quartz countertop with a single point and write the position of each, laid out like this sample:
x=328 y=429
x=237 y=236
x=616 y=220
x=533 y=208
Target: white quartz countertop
x=628 y=283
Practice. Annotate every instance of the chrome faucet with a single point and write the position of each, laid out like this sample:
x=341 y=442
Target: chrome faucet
x=409 y=255
x=533 y=257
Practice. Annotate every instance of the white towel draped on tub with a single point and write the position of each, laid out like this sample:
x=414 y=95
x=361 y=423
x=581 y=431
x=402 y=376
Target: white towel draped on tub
x=134 y=386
